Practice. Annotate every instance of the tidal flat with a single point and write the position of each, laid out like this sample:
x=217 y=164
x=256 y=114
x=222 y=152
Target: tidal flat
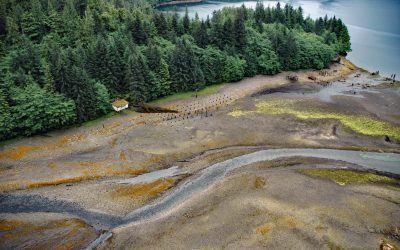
x=82 y=175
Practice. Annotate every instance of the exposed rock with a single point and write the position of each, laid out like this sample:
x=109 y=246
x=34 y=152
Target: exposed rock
x=386 y=246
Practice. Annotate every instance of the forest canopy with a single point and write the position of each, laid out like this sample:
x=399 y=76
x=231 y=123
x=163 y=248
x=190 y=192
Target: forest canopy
x=63 y=61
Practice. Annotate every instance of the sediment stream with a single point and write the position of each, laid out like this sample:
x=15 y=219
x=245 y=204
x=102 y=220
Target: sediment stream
x=383 y=162
x=9 y=203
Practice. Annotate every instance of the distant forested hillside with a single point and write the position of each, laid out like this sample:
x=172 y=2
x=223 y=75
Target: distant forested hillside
x=64 y=61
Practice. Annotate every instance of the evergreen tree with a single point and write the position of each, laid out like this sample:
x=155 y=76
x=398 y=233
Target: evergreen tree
x=6 y=122
x=153 y=55
x=12 y=37
x=137 y=30
x=287 y=50
x=269 y=18
x=278 y=14
x=228 y=33
x=3 y=30
x=259 y=15
x=186 y=22
x=26 y=61
x=32 y=22
x=175 y=25
x=319 y=26
x=103 y=103
x=299 y=16
x=185 y=70
x=83 y=93
x=163 y=82
x=161 y=24
x=71 y=21
x=54 y=22
x=217 y=34
x=48 y=79
x=212 y=64
x=137 y=78
x=97 y=60
x=88 y=26
x=239 y=34
x=343 y=39
x=113 y=64
x=73 y=81
x=201 y=35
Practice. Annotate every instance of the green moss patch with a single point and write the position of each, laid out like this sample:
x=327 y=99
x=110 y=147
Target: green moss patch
x=362 y=124
x=343 y=176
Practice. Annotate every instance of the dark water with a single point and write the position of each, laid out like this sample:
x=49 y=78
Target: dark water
x=374 y=26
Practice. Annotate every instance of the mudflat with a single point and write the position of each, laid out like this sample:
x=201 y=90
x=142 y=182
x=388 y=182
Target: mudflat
x=88 y=172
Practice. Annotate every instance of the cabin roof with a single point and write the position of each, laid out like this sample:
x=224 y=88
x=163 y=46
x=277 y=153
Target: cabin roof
x=119 y=103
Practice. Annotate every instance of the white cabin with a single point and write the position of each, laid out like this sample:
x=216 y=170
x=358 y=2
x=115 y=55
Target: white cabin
x=120 y=104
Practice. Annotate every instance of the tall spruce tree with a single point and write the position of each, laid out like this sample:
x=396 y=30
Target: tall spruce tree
x=259 y=15
x=201 y=35
x=186 y=22
x=138 y=78
x=73 y=81
x=163 y=79
x=239 y=34
x=185 y=69
x=6 y=122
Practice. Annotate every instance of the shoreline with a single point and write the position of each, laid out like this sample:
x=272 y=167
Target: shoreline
x=110 y=116
x=178 y=3
x=60 y=151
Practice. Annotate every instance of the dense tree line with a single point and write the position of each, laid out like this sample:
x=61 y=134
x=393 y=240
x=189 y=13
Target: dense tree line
x=64 y=61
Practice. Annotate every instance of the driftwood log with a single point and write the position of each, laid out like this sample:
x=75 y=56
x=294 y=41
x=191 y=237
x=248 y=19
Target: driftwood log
x=336 y=60
x=312 y=77
x=292 y=77
x=146 y=108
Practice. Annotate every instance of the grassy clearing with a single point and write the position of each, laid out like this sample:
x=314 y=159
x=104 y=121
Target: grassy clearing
x=344 y=177
x=99 y=120
x=186 y=95
x=362 y=124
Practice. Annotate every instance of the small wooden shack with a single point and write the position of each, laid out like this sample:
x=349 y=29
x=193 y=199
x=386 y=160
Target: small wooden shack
x=120 y=104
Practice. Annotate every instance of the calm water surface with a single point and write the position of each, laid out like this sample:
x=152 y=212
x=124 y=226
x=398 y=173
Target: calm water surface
x=374 y=26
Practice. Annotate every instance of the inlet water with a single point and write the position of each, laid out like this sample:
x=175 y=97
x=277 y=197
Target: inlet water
x=374 y=26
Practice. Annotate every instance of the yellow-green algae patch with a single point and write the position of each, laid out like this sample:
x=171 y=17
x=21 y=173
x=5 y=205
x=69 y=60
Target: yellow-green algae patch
x=237 y=112
x=344 y=176
x=362 y=124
